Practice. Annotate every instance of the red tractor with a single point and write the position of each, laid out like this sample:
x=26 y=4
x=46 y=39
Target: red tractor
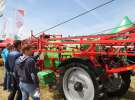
x=90 y=67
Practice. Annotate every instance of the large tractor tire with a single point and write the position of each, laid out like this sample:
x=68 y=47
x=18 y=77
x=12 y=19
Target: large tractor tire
x=118 y=84
x=80 y=82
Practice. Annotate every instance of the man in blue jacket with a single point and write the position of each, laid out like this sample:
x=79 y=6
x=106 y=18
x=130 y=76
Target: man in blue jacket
x=4 y=55
x=13 y=55
x=26 y=74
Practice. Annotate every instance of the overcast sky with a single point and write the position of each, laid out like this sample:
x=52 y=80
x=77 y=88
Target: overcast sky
x=42 y=14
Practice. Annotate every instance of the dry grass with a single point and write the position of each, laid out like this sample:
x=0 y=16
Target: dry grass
x=46 y=95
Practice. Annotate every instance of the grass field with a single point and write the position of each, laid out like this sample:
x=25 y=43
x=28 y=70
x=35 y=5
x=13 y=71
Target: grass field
x=46 y=95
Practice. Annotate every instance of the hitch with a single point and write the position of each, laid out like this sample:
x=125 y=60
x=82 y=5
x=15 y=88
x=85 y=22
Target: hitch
x=133 y=72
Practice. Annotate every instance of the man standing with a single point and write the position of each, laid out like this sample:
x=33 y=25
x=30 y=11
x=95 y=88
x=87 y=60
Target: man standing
x=26 y=74
x=13 y=55
x=4 y=55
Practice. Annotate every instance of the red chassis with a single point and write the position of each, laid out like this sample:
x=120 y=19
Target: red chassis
x=108 y=45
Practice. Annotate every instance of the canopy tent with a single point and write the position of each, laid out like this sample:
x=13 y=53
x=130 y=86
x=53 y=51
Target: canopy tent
x=126 y=23
x=5 y=42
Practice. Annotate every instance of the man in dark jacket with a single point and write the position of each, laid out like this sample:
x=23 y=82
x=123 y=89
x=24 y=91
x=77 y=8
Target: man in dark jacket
x=11 y=61
x=25 y=73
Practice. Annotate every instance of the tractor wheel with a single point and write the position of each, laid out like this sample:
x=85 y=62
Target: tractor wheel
x=80 y=83
x=118 y=84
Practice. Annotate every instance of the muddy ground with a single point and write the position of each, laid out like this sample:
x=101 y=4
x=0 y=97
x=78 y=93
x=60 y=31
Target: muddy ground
x=47 y=95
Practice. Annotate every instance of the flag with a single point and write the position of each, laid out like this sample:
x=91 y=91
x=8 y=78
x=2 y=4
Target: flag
x=19 y=18
x=2 y=7
x=19 y=21
x=21 y=12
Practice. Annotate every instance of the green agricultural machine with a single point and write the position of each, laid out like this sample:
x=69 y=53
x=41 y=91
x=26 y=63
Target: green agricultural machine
x=89 y=67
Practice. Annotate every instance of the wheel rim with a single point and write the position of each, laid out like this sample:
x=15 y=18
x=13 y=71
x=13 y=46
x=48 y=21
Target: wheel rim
x=78 y=85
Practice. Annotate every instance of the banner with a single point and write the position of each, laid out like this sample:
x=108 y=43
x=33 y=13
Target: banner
x=19 y=18
x=2 y=7
x=19 y=22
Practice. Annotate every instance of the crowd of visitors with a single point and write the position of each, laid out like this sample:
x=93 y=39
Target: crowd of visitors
x=20 y=77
